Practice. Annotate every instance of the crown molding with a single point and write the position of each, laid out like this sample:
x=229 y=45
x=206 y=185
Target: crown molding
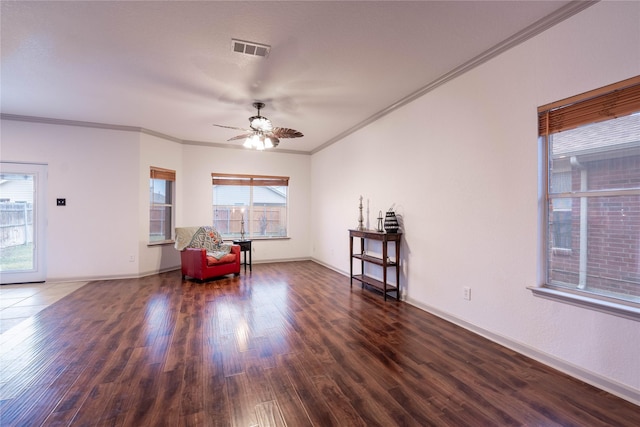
x=96 y=125
x=78 y=123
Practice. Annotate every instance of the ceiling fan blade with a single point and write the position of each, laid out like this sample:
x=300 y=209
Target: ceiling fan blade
x=232 y=127
x=243 y=136
x=286 y=133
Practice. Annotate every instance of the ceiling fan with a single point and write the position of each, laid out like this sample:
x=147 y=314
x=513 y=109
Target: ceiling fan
x=261 y=133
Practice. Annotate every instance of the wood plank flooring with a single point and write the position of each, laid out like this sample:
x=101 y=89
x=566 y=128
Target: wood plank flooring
x=288 y=345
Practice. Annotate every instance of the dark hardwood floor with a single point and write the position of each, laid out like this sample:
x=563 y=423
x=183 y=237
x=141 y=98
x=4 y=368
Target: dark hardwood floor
x=290 y=344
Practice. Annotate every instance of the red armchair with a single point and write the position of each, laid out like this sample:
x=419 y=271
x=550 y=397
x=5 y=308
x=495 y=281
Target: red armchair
x=193 y=244
x=196 y=263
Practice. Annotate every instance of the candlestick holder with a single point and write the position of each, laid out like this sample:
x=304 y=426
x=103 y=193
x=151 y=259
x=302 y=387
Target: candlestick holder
x=360 y=217
x=380 y=226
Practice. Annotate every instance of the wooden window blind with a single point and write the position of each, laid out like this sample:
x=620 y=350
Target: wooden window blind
x=606 y=103
x=166 y=174
x=249 y=180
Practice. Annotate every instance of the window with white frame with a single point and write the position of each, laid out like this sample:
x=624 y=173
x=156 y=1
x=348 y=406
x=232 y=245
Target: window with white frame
x=250 y=206
x=161 y=201
x=593 y=193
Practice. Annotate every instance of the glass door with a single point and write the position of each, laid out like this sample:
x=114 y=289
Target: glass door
x=22 y=222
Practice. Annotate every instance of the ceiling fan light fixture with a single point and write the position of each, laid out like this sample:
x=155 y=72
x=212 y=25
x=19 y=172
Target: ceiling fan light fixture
x=262 y=135
x=258 y=141
x=260 y=123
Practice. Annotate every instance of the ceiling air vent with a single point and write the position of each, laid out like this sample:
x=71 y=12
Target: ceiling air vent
x=250 y=48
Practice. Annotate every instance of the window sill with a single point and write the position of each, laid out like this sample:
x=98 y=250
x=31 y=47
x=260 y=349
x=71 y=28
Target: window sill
x=628 y=311
x=161 y=243
x=253 y=239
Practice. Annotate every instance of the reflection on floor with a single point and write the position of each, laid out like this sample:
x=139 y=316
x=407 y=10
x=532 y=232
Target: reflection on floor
x=19 y=302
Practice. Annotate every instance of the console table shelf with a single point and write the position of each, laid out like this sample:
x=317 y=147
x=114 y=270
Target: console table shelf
x=374 y=260
x=367 y=280
x=385 y=262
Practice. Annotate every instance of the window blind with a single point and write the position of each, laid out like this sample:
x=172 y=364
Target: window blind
x=166 y=174
x=606 y=103
x=249 y=180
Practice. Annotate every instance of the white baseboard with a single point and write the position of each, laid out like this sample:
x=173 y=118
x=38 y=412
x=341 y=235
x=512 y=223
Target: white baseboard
x=621 y=390
x=330 y=267
x=269 y=261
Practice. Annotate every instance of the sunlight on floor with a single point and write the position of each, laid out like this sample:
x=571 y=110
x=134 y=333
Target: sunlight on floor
x=20 y=302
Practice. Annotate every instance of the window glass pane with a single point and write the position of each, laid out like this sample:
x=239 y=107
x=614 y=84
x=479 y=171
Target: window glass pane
x=161 y=191
x=160 y=223
x=594 y=238
x=161 y=210
x=261 y=211
x=269 y=211
x=609 y=151
x=231 y=209
x=604 y=256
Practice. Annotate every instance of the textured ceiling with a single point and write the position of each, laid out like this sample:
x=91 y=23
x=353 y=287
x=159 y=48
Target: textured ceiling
x=168 y=66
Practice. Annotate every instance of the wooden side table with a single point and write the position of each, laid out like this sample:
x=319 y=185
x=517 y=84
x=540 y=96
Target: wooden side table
x=245 y=246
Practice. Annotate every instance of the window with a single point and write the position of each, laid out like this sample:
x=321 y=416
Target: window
x=593 y=193
x=253 y=205
x=161 y=199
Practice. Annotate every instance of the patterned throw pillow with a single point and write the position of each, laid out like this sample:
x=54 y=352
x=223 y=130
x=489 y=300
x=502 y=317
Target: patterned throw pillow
x=208 y=237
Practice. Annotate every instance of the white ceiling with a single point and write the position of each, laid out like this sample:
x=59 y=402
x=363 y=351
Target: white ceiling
x=168 y=66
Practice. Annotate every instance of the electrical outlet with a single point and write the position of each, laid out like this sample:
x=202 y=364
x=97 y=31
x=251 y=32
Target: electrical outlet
x=466 y=293
x=132 y=258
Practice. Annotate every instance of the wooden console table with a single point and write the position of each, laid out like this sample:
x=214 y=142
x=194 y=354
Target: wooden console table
x=384 y=262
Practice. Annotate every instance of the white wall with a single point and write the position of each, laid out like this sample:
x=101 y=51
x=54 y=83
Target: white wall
x=96 y=171
x=103 y=231
x=461 y=165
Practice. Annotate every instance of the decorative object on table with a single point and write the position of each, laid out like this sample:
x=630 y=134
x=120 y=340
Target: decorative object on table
x=368 y=224
x=391 y=222
x=380 y=226
x=360 y=217
x=242 y=226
